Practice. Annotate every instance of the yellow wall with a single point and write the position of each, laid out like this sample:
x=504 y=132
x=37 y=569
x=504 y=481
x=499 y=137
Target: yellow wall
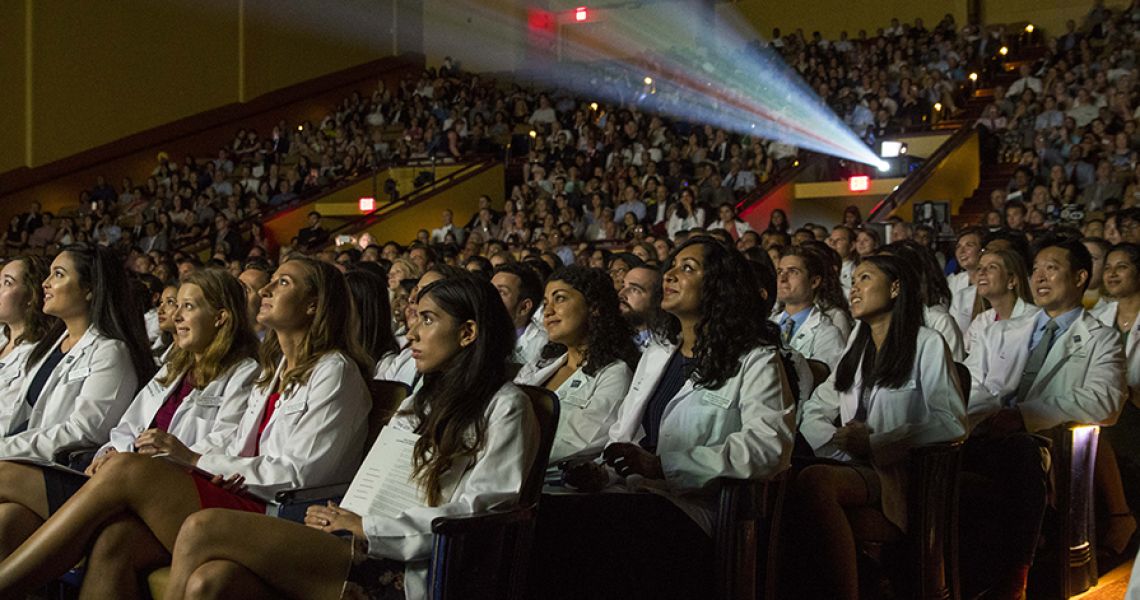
x=953 y=181
x=462 y=199
x=101 y=71
x=12 y=102
x=290 y=42
x=1050 y=15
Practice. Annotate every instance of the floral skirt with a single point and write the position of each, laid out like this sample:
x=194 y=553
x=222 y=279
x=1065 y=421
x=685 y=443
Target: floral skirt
x=371 y=578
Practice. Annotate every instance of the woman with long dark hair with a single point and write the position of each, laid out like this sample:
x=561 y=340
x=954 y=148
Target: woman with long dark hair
x=477 y=439
x=401 y=366
x=894 y=388
x=589 y=361
x=710 y=398
x=374 y=313
x=933 y=290
x=304 y=425
x=24 y=325
x=86 y=368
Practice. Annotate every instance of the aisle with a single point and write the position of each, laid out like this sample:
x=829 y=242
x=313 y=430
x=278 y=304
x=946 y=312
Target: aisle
x=1110 y=587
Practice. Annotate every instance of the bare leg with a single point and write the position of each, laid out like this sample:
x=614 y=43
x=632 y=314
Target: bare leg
x=157 y=492
x=220 y=579
x=821 y=493
x=23 y=504
x=284 y=555
x=1106 y=478
x=124 y=550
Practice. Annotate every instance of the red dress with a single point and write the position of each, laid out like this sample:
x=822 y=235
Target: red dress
x=213 y=496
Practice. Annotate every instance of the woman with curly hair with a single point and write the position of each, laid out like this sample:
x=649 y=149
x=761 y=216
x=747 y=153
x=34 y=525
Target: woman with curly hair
x=589 y=361
x=711 y=398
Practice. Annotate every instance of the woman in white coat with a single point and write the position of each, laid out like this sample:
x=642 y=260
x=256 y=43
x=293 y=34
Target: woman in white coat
x=1002 y=281
x=478 y=438
x=588 y=361
x=710 y=399
x=685 y=214
x=83 y=373
x=1118 y=454
x=304 y=425
x=25 y=324
x=934 y=291
x=167 y=302
x=200 y=393
x=401 y=366
x=894 y=388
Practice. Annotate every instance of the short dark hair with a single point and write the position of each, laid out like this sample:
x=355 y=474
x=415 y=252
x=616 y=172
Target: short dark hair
x=530 y=285
x=1079 y=257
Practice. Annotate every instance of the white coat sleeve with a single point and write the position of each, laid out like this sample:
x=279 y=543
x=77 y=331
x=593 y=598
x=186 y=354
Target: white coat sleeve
x=983 y=402
x=829 y=345
x=329 y=430
x=235 y=397
x=762 y=447
x=818 y=421
x=493 y=481
x=1099 y=398
x=946 y=326
x=586 y=430
x=945 y=411
x=974 y=333
x=103 y=397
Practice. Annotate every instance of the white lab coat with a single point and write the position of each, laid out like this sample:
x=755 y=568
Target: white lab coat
x=315 y=436
x=958 y=281
x=397 y=366
x=213 y=411
x=846 y=275
x=927 y=409
x=1081 y=380
x=841 y=320
x=988 y=317
x=492 y=480
x=589 y=404
x=818 y=338
x=1107 y=314
x=14 y=409
x=528 y=346
x=938 y=319
x=153 y=332
x=962 y=306
x=744 y=429
x=81 y=401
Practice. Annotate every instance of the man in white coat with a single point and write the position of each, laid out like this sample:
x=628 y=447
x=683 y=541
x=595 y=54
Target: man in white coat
x=1027 y=375
x=803 y=326
x=521 y=290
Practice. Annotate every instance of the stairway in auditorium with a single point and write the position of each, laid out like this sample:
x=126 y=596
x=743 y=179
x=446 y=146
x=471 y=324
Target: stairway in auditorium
x=992 y=175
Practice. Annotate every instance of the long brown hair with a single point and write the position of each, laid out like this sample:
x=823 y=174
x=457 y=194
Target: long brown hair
x=333 y=328
x=1015 y=266
x=235 y=340
x=451 y=407
x=36 y=323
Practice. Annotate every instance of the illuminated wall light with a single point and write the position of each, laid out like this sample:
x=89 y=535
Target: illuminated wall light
x=1029 y=28
x=937 y=107
x=533 y=134
x=648 y=80
x=1003 y=51
x=300 y=128
x=367 y=205
x=859 y=183
x=594 y=106
x=973 y=76
x=580 y=14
